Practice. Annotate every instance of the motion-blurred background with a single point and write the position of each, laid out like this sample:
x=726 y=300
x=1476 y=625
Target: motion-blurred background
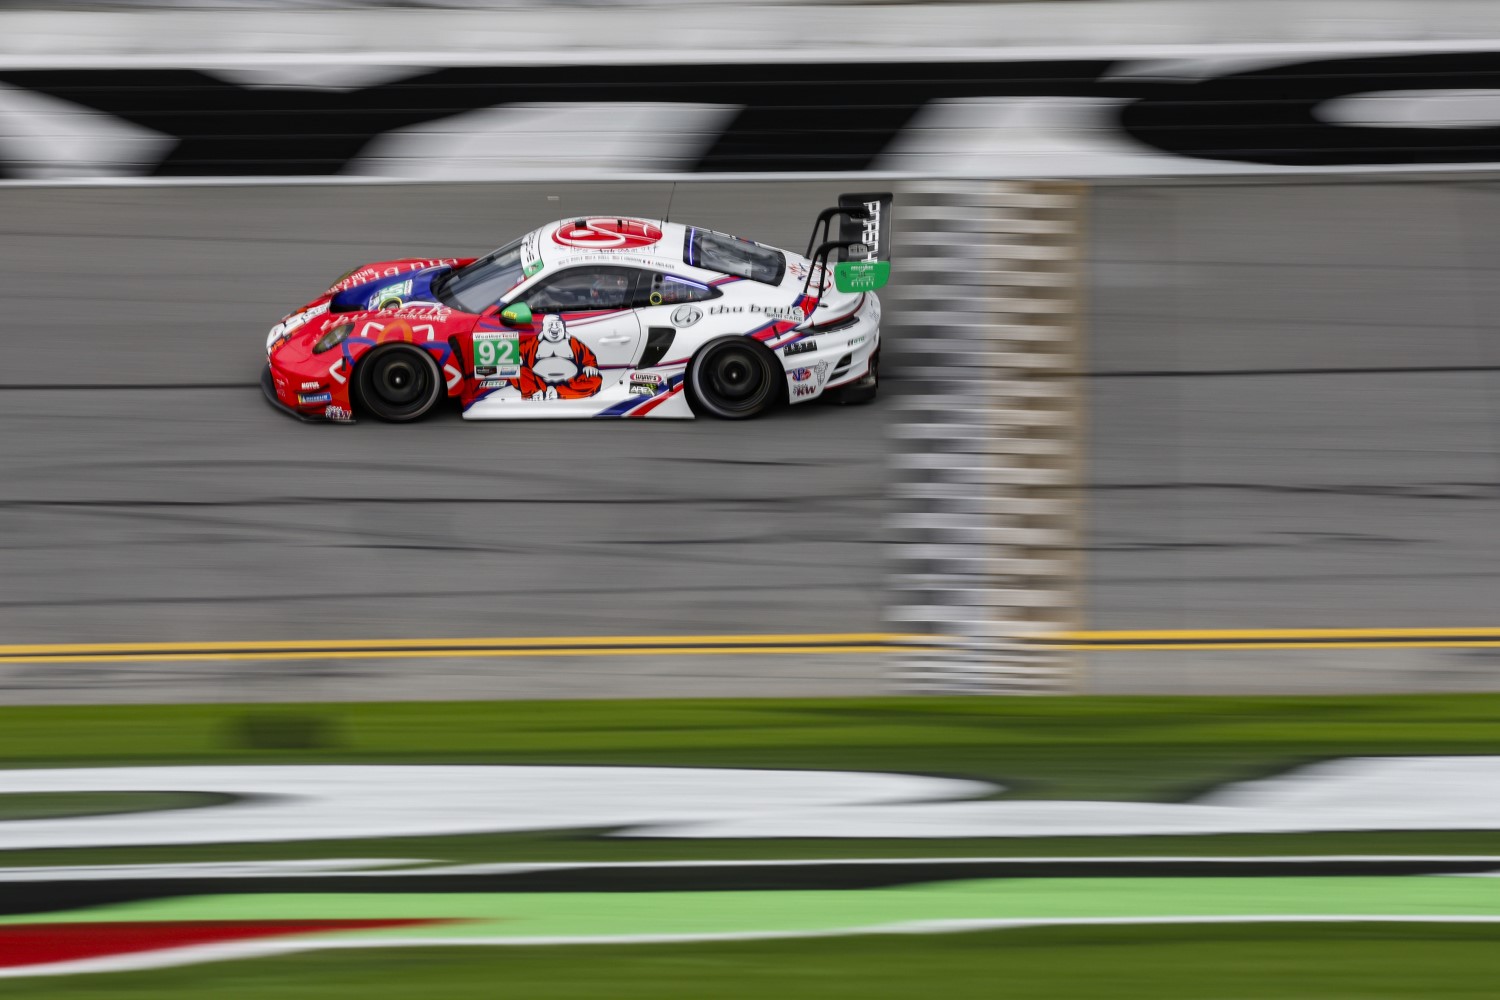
x=1190 y=388
x=1278 y=242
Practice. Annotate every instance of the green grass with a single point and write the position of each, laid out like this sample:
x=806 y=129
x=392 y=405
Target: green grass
x=1121 y=748
x=807 y=911
x=1153 y=749
x=1210 y=962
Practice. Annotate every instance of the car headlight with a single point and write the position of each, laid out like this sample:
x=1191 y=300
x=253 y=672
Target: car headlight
x=333 y=338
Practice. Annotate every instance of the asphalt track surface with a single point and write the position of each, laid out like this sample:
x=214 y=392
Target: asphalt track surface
x=1294 y=422
x=151 y=494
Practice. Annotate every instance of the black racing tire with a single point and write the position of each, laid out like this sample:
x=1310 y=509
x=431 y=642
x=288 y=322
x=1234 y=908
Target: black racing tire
x=397 y=383
x=860 y=391
x=734 y=378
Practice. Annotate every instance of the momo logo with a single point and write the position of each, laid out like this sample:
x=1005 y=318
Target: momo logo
x=606 y=234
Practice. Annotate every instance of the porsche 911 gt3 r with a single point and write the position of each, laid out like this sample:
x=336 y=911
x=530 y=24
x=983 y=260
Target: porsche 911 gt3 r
x=596 y=317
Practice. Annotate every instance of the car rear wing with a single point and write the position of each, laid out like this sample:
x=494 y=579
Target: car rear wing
x=863 y=263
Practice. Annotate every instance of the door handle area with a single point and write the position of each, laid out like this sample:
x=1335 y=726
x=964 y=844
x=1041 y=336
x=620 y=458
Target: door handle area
x=615 y=340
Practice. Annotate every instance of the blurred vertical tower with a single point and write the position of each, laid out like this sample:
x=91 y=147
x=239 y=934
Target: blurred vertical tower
x=988 y=433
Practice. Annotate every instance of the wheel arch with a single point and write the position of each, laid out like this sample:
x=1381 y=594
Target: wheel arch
x=773 y=362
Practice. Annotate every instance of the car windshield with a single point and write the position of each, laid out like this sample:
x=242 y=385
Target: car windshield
x=477 y=287
x=730 y=255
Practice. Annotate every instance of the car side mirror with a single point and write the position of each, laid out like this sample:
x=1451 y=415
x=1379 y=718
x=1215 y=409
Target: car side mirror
x=516 y=314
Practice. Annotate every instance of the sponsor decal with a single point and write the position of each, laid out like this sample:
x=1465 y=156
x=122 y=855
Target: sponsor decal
x=606 y=234
x=785 y=312
x=866 y=265
x=424 y=311
x=531 y=253
x=315 y=397
x=294 y=321
x=391 y=296
x=856 y=341
x=283 y=330
x=365 y=274
x=871 y=233
x=309 y=385
x=618 y=258
x=497 y=354
x=801 y=347
x=686 y=315
x=494 y=383
x=646 y=383
x=863 y=276
x=805 y=381
x=338 y=413
x=353 y=278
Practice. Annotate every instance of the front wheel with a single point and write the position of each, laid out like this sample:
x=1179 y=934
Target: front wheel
x=734 y=379
x=397 y=383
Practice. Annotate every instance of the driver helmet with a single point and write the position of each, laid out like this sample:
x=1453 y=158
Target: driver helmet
x=609 y=290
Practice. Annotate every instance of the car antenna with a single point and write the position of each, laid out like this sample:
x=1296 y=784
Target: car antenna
x=668 y=217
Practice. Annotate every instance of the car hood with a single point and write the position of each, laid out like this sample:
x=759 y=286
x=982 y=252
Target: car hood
x=411 y=288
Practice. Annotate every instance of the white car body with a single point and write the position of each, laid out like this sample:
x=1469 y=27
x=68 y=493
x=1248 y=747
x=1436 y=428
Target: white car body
x=822 y=341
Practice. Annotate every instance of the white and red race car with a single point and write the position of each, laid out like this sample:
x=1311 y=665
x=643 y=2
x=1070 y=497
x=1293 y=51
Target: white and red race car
x=596 y=317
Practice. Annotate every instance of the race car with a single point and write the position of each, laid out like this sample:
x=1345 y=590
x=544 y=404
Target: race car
x=596 y=316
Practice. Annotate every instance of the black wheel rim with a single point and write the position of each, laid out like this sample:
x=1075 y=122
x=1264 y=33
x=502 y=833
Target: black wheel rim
x=736 y=379
x=400 y=383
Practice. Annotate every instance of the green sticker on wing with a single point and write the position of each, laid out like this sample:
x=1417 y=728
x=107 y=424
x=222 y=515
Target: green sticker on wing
x=861 y=275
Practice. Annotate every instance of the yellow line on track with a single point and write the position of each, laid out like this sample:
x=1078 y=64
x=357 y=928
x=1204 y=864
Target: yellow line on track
x=1280 y=633
x=415 y=654
x=508 y=641
x=816 y=643
x=1160 y=640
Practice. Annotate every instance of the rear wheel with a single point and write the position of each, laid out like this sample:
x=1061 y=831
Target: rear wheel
x=397 y=383
x=734 y=379
x=862 y=390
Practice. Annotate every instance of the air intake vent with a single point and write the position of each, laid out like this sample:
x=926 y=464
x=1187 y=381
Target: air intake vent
x=658 y=340
x=837 y=325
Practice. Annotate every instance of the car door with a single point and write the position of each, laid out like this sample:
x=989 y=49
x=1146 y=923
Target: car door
x=584 y=335
x=666 y=305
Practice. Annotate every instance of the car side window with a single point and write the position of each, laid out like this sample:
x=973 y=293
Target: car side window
x=581 y=289
x=670 y=290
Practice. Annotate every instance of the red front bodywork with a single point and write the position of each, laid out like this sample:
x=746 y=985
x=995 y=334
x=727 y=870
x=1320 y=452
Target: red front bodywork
x=318 y=384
